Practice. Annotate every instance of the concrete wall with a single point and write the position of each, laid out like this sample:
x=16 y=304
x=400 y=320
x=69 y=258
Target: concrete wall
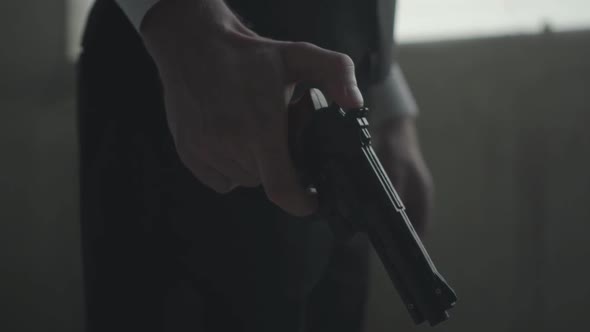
x=33 y=39
x=503 y=126
x=40 y=275
x=40 y=278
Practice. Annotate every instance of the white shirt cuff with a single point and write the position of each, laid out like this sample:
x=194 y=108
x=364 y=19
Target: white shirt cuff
x=136 y=9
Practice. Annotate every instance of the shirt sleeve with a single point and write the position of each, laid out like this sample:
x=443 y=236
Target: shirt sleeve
x=391 y=97
x=136 y=9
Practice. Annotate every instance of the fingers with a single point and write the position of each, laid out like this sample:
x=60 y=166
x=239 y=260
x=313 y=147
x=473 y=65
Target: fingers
x=273 y=169
x=232 y=169
x=280 y=182
x=221 y=174
x=208 y=175
x=332 y=72
x=277 y=171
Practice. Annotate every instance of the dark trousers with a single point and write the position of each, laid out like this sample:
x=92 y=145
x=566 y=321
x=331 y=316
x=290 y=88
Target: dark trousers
x=162 y=252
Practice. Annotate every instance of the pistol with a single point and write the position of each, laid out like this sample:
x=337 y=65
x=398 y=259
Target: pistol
x=331 y=148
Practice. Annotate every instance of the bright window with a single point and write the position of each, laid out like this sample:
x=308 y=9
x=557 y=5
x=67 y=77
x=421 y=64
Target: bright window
x=449 y=19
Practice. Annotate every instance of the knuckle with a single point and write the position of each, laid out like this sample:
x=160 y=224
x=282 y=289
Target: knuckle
x=303 y=45
x=300 y=45
x=180 y=142
x=343 y=61
x=223 y=188
x=277 y=193
x=195 y=167
x=248 y=179
x=250 y=183
x=184 y=155
x=188 y=149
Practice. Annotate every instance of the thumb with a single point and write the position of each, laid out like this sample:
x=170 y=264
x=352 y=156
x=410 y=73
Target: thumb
x=331 y=72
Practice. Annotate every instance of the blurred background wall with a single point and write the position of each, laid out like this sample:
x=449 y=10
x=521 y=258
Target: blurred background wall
x=39 y=247
x=503 y=126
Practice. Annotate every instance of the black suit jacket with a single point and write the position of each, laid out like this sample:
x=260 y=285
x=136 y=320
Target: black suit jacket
x=146 y=221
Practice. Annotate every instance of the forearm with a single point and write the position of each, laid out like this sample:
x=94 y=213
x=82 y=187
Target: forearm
x=391 y=100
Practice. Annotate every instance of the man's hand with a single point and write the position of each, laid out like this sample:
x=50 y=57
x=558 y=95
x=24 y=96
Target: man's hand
x=396 y=144
x=226 y=94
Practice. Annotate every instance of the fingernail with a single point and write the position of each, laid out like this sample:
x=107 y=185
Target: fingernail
x=353 y=92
